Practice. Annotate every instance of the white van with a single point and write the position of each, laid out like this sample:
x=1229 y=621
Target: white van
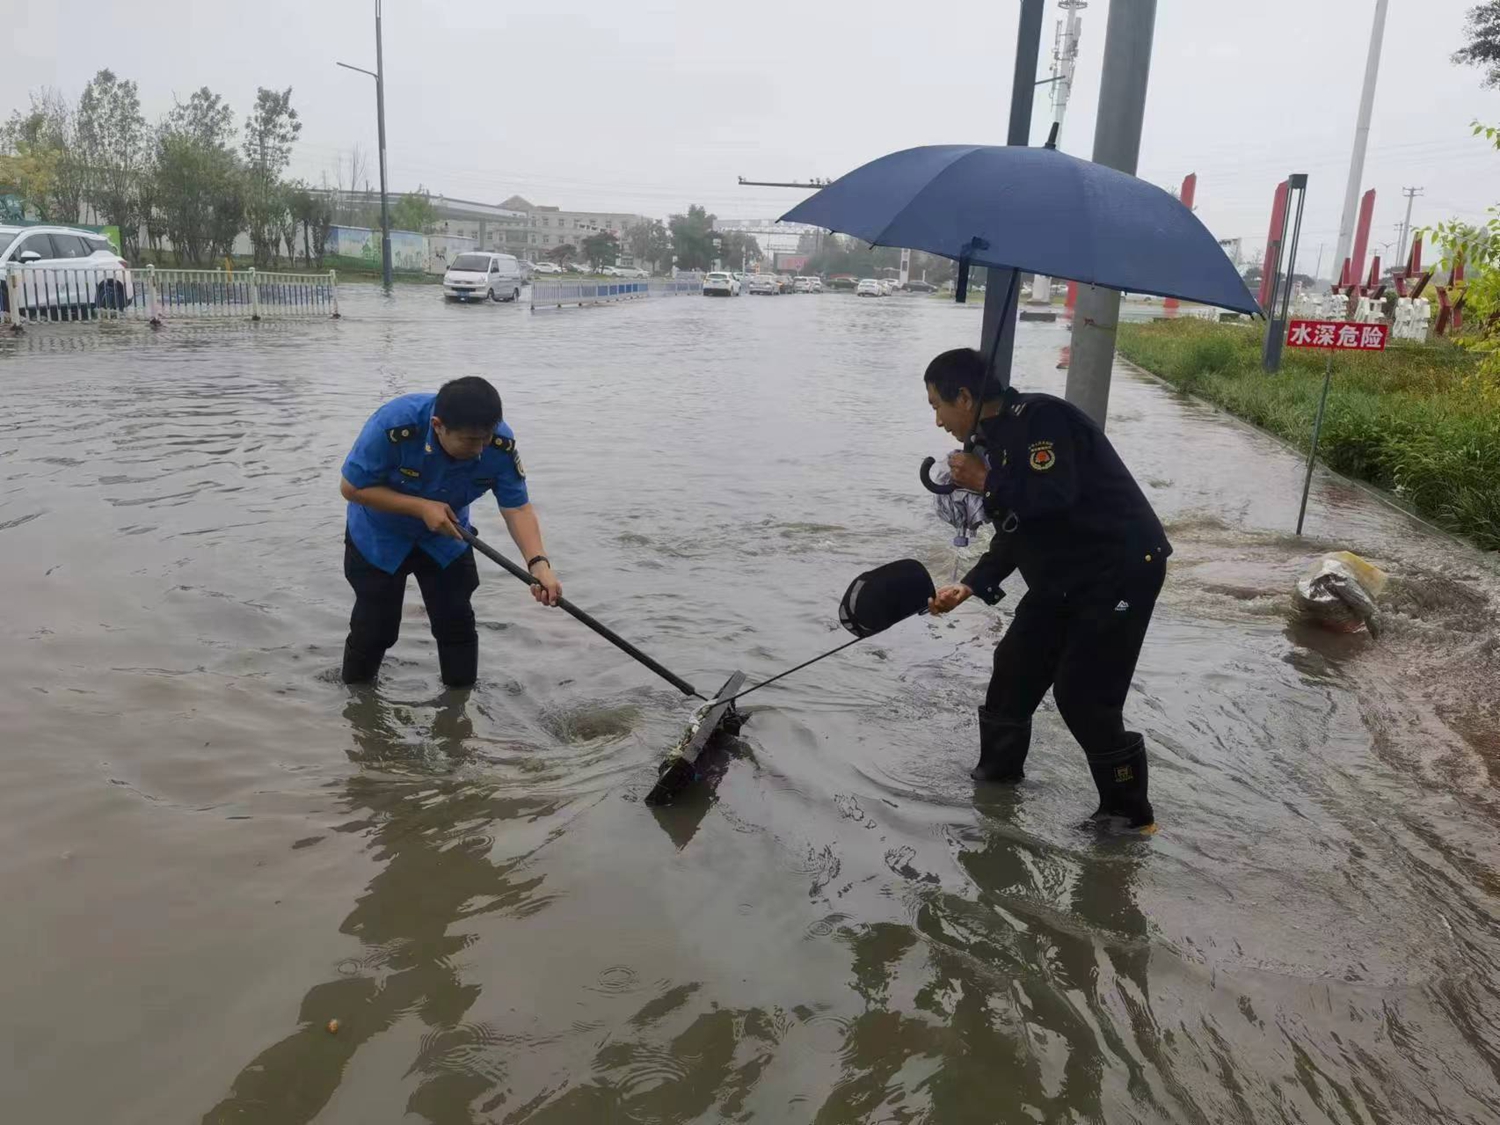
x=477 y=276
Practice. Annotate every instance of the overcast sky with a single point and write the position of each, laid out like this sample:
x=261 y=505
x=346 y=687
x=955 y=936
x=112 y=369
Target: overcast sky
x=649 y=106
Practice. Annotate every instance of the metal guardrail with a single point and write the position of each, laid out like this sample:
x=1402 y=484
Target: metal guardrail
x=47 y=293
x=556 y=294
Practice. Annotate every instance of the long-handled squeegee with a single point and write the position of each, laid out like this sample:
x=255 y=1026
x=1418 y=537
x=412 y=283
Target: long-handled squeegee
x=875 y=601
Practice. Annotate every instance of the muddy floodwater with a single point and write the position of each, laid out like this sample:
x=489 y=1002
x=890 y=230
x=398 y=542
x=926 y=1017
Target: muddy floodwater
x=210 y=848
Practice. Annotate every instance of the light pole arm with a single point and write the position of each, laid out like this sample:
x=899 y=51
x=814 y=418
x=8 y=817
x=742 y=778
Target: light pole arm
x=361 y=69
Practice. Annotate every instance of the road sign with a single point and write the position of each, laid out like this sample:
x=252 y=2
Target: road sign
x=1338 y=335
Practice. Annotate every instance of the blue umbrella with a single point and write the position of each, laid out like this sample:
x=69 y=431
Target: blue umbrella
x=1036 y=210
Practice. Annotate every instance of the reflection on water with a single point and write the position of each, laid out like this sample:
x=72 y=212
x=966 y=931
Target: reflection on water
x=221 y=848
x=414 y=921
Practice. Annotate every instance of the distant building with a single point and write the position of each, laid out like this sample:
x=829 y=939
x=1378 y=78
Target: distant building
x=549 y=227
x=516 y=226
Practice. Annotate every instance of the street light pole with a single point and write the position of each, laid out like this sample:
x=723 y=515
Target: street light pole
x=1361 y=138
x=385 y=201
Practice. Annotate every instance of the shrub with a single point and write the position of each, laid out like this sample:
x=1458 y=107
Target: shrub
x=1421 y=420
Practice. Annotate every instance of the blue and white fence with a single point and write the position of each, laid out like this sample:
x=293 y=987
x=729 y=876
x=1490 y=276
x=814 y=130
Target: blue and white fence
x=160 y=296
x=557 y=294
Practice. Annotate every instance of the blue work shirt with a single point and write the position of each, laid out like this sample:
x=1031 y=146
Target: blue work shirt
x=398 y=449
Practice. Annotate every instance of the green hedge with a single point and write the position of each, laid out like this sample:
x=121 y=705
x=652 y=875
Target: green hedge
x=1420 y=420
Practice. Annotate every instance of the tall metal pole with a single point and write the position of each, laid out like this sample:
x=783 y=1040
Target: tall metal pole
x=1411 y=194
x=999 y=294
x=385 y=199
x=1117 y=143
x=1361 y=138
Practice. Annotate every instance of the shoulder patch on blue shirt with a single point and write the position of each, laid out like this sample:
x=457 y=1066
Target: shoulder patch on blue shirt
x=503 y=443
x=398 y=434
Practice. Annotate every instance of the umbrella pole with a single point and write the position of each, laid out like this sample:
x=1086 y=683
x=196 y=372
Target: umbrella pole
x=1001 y=345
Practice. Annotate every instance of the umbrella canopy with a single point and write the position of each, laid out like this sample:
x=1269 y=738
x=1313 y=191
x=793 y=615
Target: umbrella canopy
x=1032 y=209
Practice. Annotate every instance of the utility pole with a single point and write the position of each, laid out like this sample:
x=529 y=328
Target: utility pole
x=1361 y=138
x=998 y=333
x=385 y=203
x=1411 y=194
x=1117 y=144
x=1064 y=63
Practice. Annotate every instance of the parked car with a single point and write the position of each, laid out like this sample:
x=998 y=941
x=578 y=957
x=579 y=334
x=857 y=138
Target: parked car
x=720 y=284
x=868 y=287
x=916 y=286
x=63 y=268
x=477 y=276
x=889 y=285
x=631 y=272
x=842 y=281
x=761 y=285
x=548 y=268
x=801 y=285
x=815 y=285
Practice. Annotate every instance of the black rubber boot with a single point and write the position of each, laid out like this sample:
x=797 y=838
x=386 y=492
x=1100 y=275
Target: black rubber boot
x=1120 y=777
x=360 y=666
x=1002 y=748
x=459 y=664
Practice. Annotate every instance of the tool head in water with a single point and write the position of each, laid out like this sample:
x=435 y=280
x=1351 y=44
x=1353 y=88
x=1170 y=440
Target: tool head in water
x=679 y=769
x=879 y=598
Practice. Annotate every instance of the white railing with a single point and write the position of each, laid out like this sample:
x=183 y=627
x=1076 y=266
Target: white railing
x=90 y=293
x=556 y=294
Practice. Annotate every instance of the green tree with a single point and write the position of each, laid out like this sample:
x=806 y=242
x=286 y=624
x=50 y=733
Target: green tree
x=649 y=242
x=1482 y=28
x=46 y=131
x=271 y=129
x=414 y=211
x=693 y=238
x=738 y=250
x=198 y=185
x=204 y=117
x=313 y=212
x=112 y=141
x=602 y=249
x=563 y=254
x=28 y=174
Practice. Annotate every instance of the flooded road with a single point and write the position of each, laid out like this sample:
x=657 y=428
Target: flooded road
x=209 y=847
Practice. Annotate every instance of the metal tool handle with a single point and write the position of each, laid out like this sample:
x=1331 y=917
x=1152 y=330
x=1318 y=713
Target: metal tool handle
x=568 y=607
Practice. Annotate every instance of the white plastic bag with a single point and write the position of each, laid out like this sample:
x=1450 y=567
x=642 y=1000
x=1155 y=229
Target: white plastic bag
x=1339 y=591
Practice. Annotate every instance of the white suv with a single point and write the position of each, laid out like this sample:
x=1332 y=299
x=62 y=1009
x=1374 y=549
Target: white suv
x=720 y=284
x=62 y=268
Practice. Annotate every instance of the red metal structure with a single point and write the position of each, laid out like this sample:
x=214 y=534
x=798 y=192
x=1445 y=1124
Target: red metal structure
x=1189 y=190
x=1362 y=235
x=1273 y=236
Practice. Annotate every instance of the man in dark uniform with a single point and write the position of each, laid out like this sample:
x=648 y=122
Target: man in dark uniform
x=1069 y=516
x=416 y=466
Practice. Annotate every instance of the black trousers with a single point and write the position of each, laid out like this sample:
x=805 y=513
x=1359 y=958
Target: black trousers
x=447 y=593
x=1084 y=647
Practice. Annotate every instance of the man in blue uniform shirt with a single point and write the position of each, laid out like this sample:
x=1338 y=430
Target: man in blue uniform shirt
x=416 y=466
x=1069 y=516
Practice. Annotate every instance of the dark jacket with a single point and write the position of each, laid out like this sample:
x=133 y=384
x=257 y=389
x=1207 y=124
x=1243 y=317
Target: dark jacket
x=1067 y=513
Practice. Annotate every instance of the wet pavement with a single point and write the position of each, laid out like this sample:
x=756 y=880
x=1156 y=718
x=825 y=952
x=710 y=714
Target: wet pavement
x=209 y=847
